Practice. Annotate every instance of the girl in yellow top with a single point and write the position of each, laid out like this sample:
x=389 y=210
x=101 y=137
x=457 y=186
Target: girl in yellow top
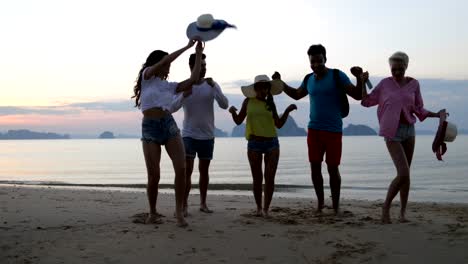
x=262 y=121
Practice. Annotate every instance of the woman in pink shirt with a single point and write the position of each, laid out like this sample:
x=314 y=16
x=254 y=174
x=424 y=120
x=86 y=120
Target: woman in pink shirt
x=399 y=100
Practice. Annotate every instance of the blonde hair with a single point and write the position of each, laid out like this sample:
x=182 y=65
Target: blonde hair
x=399 y=56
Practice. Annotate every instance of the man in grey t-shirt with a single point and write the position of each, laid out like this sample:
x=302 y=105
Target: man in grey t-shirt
x=198 y=130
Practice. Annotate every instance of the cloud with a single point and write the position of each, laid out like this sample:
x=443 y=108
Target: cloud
x=110 y=106
x=69 y=109
x=46 y=110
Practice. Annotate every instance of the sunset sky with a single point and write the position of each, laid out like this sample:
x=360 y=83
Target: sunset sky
x=70 y=66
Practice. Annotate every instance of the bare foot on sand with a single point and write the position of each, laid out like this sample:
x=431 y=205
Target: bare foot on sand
x=386 y=216
x=266 y=214
x=259 y=212
x=180 y=219
x=403 y=219
x=319 y=209
x=154 y=219
x=181 y=222
x=205 y=209
x=186 y=211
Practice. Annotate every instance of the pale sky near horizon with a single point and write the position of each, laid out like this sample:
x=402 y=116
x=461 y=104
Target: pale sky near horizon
x=78 y=50
x=62 y=52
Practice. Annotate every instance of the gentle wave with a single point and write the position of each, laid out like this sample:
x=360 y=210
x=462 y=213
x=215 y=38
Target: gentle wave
x=214 y=186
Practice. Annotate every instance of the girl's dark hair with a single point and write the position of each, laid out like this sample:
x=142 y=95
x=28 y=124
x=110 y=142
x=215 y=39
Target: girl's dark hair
x=270 y=104
x=152 y=59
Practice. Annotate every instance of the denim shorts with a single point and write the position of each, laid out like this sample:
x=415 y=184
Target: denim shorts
x=404 y=132
x=263 y=146
x=158 y=130
x=204 y=148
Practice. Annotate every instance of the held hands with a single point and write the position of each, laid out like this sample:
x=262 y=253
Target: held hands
x=291 y=108
x=365 y=77
x=232 y=109
x=191 y=43
x=200 y=47
x=276 y=76
x=359 y=73
x=356 y=71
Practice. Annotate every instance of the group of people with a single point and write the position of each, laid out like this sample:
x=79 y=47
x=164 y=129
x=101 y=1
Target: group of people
x=398 y=98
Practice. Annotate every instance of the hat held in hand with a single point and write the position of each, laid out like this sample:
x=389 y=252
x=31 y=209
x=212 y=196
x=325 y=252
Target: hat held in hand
x=447 y=132
x=207 y=28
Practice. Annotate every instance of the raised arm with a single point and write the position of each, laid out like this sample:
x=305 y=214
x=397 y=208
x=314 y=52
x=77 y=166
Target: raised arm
x=195 y=75
x=280 y=121
x=153 y=70
x=373 y=98
x=294 y=93
x=239 y=118
x=355 y=91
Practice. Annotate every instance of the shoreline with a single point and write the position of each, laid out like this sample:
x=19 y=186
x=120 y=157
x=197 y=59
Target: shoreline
x=60 y=225
x=422 y=195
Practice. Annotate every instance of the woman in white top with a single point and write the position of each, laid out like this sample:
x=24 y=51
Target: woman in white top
x=158 y=99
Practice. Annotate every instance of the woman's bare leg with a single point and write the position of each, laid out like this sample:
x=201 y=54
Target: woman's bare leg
x=152 y=153
x=271 y=164
x=408 y=146
x=400 y=161
x=188 y=182
x=255 y=160
x=175 y=150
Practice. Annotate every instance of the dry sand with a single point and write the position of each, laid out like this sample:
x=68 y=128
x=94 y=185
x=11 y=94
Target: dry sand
x=58 y=225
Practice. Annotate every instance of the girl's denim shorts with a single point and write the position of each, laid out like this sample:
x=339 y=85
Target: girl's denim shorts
x=404 y=132
x=158 y=130
x=263 y=146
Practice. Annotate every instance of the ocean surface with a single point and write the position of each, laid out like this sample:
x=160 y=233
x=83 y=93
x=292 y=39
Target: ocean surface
x=366 y=167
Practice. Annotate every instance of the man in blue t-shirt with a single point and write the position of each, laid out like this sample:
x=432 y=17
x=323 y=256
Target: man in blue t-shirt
x=326 y=88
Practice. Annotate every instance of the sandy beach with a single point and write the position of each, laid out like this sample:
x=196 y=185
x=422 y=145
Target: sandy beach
x=60 y=225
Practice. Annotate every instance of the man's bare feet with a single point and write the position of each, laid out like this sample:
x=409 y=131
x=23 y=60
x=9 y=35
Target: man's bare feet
x=266 y=214
x=259 y=212
x=205 y=209
x=186 y=211
x=153 y=219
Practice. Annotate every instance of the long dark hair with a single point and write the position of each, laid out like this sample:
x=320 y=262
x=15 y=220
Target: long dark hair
x=271 y=106
x=152 y=59
x=270 y=103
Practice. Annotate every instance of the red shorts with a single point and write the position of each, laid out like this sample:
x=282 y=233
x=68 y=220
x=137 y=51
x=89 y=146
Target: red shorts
x=320 y=142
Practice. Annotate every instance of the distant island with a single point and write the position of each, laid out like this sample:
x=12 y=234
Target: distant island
x=106 y=135
x=27 y=134
x=358 y=130
x=220 y=133
x=290 y=129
